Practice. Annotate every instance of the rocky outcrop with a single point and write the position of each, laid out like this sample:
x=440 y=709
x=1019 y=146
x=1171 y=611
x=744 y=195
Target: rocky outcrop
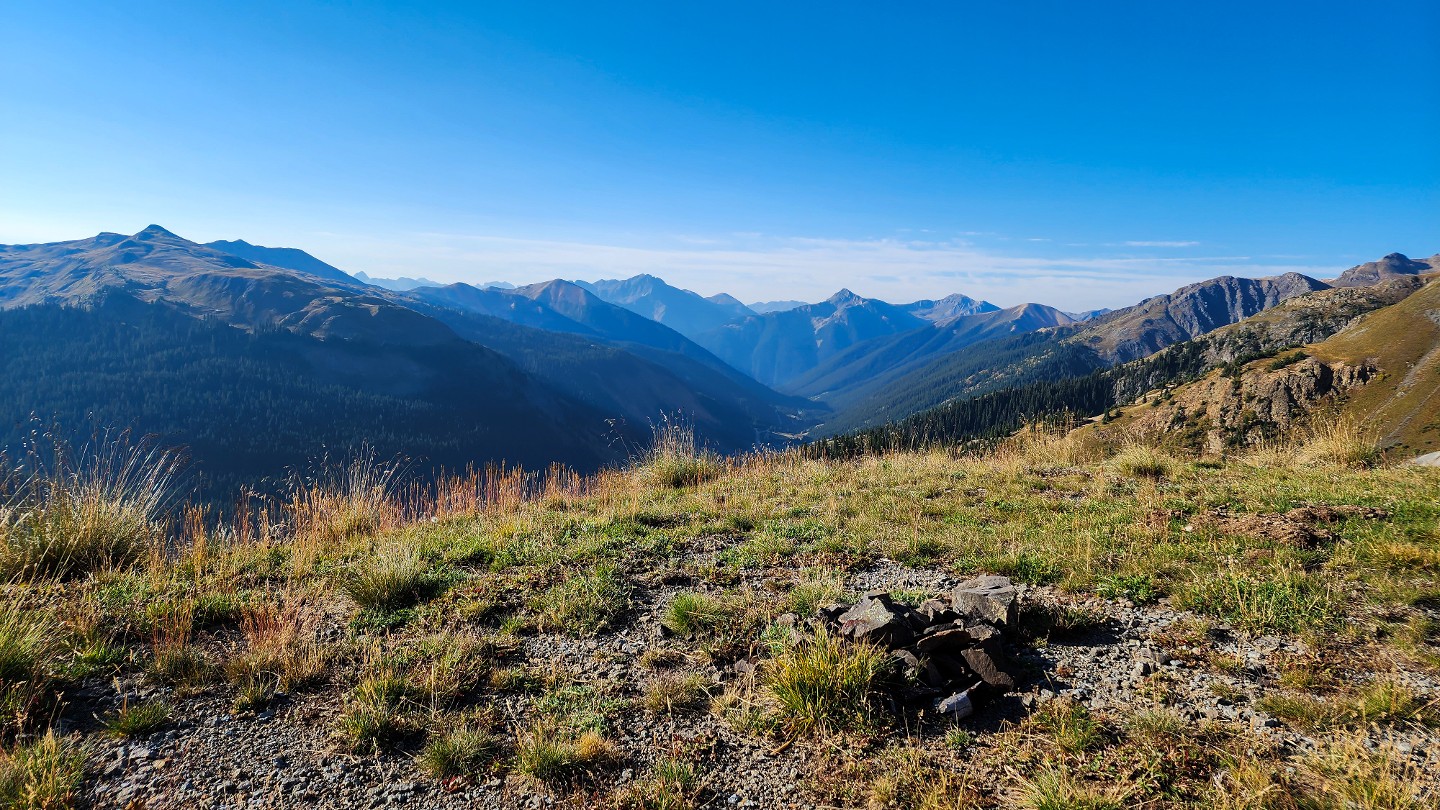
x=1303 y=320
x=1264 y=401
x=1395 y=265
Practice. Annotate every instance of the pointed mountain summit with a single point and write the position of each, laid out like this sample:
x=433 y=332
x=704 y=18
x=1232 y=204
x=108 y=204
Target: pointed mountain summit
x=948 y=308
x=153 y=232
x=728 y=301
x=844 y=297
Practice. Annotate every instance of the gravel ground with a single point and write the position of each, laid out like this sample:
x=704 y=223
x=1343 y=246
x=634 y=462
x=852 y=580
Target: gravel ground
x=289 y=756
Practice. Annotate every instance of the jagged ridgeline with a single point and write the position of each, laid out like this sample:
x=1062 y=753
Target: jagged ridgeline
x=260 y=360
x=1054 y=389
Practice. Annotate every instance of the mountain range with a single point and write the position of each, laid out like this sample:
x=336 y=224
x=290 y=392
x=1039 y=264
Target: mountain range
x=261 y=358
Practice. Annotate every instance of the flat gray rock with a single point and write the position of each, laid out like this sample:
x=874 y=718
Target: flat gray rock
x=989 y=598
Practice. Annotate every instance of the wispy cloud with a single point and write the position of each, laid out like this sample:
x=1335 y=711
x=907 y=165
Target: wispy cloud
x=764 y=267
x=1160 y=244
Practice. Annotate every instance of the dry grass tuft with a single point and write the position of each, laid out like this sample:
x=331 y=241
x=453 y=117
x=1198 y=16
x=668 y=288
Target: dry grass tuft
x=550 y=752
x=674 y=459
x=43 y=775
x=280 y=647
x=1340 y=442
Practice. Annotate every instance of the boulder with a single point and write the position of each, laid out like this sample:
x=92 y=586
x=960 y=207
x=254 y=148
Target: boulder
x=988 y=598
x=936 y=612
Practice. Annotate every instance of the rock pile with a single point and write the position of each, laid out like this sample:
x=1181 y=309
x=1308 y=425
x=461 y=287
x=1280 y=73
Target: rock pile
x=950 y=650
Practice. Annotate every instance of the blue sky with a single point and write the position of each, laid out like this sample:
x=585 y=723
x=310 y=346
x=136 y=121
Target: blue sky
x=1079 y=154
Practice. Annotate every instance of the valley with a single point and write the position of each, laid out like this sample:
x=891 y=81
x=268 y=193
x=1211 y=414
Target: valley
x=579 y=373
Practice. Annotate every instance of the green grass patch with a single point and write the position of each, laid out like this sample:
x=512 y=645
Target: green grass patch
x=584 y=603
x=140 y=719
x=463 y=752
x=1282 y=602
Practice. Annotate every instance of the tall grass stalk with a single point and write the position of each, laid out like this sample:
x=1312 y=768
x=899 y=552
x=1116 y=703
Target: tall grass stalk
x=64 y=514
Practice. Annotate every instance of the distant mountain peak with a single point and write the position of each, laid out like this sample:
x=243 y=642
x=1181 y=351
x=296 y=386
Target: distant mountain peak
x=844 y=297
x=1392 y=265
x=727 y=300
x=153 y=231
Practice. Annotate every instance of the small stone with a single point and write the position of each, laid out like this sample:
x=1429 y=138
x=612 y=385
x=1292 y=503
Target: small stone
x=957 y=705
x=984 y=665
x=877 y=620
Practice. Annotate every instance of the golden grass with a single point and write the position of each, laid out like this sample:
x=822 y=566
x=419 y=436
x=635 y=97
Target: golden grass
x=761 y=536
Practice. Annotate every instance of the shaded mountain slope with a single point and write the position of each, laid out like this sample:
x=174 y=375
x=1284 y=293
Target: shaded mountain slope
x=869 y=367
x=686 y=312
x=639 y=384
x=562 y=307
x=500 y=304
x=368 y=342
x=777 y=347
x=248 y=405
x=288 y=258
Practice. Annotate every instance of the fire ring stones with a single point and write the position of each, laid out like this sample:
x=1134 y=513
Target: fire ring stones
x=950 y=650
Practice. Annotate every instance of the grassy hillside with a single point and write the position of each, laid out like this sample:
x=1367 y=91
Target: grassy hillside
x=1047 y=393
x=1404 y=342
x=1251 y=632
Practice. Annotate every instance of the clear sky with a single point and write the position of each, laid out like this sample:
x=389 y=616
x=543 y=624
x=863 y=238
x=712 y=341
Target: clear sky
x=1081 y=154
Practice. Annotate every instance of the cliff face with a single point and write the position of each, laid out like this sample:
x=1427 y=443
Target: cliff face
x=1262 y=402
x=1188 y=312
x=1304 y=319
